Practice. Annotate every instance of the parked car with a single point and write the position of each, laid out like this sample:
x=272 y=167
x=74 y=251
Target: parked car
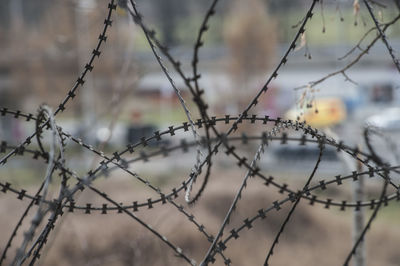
x=387 y=120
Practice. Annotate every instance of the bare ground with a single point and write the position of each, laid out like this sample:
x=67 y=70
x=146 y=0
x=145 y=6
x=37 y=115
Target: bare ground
x=314 y=235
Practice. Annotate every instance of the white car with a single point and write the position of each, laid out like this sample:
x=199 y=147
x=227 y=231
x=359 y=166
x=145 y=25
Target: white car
x=387 y=120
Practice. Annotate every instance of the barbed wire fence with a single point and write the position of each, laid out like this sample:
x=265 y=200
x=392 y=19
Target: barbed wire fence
x=207 y=146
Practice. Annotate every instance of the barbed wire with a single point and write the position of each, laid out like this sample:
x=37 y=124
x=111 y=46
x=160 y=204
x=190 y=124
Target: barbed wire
x=274 y=130
x=289 y=215
x=383 y=36
x=184 y=146
x=243 y=138
x=137 y=18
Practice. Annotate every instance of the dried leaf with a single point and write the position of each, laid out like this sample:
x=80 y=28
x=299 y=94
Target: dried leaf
x=356 y=7
x=303 y=42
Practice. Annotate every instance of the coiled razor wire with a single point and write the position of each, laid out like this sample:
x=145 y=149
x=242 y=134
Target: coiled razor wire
x=274 y=130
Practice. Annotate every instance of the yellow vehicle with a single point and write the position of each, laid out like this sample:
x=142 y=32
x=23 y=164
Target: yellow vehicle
x=325 y=112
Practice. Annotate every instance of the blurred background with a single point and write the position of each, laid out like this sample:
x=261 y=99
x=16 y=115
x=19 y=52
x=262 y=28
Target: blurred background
x=45 y=45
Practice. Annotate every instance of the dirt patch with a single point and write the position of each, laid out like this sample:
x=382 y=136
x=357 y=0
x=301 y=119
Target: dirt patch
x=313 y=236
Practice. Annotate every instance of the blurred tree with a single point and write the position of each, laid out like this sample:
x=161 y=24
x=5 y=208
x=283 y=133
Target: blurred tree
x=250 y=34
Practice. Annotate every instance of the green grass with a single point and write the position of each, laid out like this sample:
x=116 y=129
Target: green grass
x=336 y=31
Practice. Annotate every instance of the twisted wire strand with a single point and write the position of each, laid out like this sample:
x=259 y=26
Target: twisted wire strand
x=379 y=162
x=238 y=195
x=283 y=188
x=80 y=81
x=137 y=18
x=42 y=209
x=383 y=36
x=293 y=208
x=339 y=146
x=200 y=104
x=119 y=161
